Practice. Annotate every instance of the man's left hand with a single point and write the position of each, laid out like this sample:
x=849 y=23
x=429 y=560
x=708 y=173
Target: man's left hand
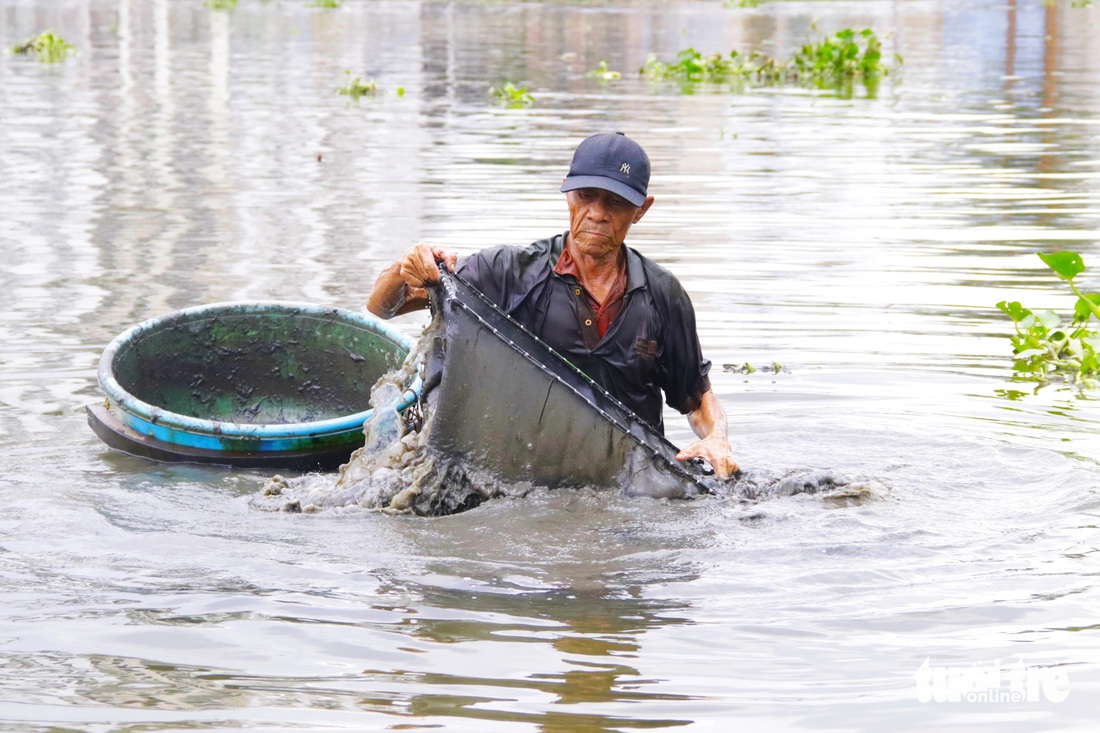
x=714 y=450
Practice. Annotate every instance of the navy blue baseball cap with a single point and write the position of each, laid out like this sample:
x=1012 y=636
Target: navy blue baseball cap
x=613 y=162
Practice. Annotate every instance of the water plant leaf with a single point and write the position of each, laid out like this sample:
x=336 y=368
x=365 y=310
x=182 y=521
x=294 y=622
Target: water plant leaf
x=1087 y=305
x=1067 y=265
x=1048 y=318
x=1014 y=310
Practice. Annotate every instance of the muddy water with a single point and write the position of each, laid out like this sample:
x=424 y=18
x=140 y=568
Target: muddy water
x=187 y=156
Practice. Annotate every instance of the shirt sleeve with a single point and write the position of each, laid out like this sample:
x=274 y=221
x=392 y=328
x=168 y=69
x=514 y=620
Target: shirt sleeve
x=686 y=371
x=491 y=272
x=504 y=274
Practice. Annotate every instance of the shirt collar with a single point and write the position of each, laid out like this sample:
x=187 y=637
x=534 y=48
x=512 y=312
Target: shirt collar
x=635 y=273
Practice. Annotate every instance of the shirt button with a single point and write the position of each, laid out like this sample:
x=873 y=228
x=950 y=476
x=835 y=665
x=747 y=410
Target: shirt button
x=577 y=291
x=588 y=321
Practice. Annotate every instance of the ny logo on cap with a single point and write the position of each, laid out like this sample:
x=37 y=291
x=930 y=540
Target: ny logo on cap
x=625 y=168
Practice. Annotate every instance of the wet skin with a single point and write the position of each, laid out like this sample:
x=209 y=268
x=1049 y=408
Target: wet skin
x=599 y=222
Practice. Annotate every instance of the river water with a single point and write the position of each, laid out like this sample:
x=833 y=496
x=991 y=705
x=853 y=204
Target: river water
x=186 y=155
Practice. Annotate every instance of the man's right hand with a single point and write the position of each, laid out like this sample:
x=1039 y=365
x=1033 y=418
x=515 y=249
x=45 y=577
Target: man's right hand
x=400 y=287
x=417 y=266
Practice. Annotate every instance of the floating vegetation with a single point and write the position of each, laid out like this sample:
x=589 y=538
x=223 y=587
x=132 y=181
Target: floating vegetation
x=325 y=4
x=842 y=59
x=220 y=4
x=603 y=72
x=835 y=62
x=692 y=66
x=774 y=368
x=1044 y=348
x=356 y=88
x=510 y=95
x=46 y=46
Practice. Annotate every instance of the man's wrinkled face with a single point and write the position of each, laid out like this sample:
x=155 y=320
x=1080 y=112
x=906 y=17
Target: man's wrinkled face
x=599 y=220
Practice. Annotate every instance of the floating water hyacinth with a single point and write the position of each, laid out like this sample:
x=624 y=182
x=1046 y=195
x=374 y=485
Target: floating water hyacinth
x=46 y=46
x=692 y=66
x=1046 y=348
x=510 y=95
x=356 y=88
x=840 y=60
x=834 y=62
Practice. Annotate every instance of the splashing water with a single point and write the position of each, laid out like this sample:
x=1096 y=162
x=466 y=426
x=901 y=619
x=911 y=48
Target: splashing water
x=395 y=471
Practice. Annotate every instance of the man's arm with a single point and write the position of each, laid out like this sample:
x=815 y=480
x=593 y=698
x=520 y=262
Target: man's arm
x=709 y=423
x=400 y=288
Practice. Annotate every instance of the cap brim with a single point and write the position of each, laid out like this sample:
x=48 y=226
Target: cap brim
x=572 y=183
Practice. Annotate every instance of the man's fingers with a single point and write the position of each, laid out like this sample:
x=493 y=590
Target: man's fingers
x=450 y=259
x=415 y=275
x=418 y=266
x=729 y=468
x=723 y=463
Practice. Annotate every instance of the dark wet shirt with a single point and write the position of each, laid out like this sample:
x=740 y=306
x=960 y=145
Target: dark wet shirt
x=650 y=347
x=602 y=313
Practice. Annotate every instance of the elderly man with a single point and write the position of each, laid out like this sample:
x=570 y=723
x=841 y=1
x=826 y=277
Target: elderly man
x=623 y=320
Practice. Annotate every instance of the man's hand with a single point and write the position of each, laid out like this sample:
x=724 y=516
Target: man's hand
x=400 y=287
x=716 y=451
x=417 y=267
x=709 y=423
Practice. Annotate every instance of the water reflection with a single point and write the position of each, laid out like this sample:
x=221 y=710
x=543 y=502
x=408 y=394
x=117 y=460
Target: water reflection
x=186 y=156
x=596 y=634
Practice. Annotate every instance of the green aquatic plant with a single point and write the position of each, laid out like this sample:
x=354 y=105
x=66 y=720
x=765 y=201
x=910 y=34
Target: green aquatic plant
x=510 y=95
x=356 y=88
x=837 y=61
x=220 y=4
x=692 y=66
x=46 y=46
x=841 y=59
x=603 y=72
x=1043 y=347
x=774 y=368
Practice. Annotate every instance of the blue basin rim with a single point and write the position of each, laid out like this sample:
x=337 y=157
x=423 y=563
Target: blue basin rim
x=120 y=436
x=185 y=429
